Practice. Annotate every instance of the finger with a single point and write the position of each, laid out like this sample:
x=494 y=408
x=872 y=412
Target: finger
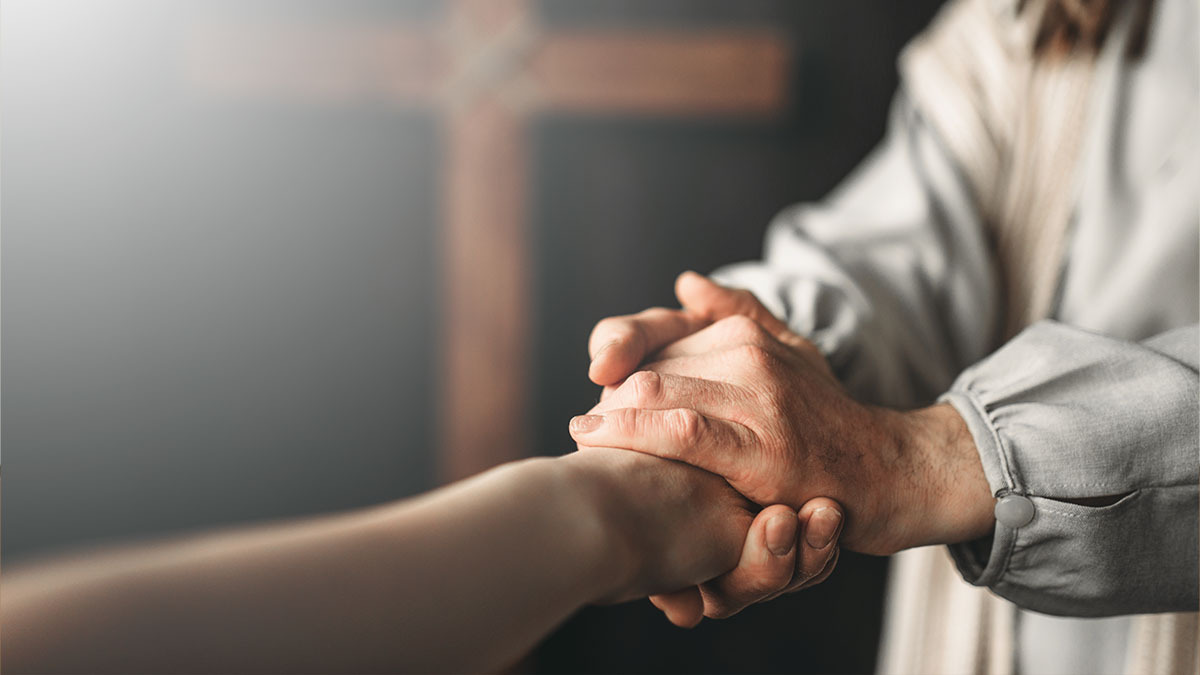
x=619 y=344
x=829 y=567
x=816 y=556
x=683 y=434
x=766 y=567
x=797 y=586
x=739 y=340
x=683 y=608
x=651 y=390
x=707 y=367
x=708 y=299
x=821 y=522
x=724 y=335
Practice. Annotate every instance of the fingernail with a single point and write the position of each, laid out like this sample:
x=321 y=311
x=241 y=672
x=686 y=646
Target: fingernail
x=781 y=533
x=581 y=424
x=822 y=527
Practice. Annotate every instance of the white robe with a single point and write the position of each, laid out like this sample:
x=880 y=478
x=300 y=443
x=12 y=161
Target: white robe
x=1006 y=191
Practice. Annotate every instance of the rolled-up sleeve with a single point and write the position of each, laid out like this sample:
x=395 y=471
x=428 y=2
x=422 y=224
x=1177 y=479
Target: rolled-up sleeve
x=1065 y=418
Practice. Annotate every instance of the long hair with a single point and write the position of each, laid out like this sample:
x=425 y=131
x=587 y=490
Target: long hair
x=1071 y=25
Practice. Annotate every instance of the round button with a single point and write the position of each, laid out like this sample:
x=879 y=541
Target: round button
x=1014 y=511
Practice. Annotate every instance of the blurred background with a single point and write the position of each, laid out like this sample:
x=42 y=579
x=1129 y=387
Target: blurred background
x=274 y=258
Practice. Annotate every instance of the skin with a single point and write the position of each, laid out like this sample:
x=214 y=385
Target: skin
x=463 y=579
x=724 y=385
x=766 y=569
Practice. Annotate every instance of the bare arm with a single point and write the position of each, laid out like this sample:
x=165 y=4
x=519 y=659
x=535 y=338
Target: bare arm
x=465 y=578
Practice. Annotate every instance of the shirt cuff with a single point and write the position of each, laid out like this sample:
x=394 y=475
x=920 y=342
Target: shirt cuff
x=1061 y=417
x=979 y=563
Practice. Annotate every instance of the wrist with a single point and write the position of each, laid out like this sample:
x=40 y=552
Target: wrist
x=563 y=519
x=586 y=484
x=944 y=498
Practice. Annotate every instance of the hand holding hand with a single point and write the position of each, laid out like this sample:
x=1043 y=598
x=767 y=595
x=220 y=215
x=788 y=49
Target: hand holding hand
x=662 y=525
x=759 y=406
x=669 y=526
x=784 y=552
x=776 y=557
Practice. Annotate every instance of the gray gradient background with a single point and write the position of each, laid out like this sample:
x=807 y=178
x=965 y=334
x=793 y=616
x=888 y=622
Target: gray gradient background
x=212 y=312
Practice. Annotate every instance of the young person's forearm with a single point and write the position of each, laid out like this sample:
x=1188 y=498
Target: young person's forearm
x=442 y=582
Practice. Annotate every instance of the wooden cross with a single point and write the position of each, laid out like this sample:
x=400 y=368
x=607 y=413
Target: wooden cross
x=485 y=70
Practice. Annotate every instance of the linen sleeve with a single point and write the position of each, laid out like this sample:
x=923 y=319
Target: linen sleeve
x=890 y=276
x=1061 y=414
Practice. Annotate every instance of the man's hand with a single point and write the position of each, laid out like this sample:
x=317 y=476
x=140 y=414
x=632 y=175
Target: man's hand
x=774 y=559
x=619 y=345
x=784 y=552
x=761 y=407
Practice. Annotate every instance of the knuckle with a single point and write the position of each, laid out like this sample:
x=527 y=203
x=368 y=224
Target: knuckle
x=686 y=426
x=624 y=421
x=756 y=356
x=740 y=327
x=645 y=387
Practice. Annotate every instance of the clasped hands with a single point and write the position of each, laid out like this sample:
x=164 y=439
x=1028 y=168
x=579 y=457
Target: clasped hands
x=723 y=385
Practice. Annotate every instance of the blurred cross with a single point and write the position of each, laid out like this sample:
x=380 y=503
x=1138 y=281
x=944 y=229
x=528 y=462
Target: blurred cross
x=485 y=70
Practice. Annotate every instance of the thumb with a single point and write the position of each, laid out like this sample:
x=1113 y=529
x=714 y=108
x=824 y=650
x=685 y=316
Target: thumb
x=705 y=297
x=766 y=567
